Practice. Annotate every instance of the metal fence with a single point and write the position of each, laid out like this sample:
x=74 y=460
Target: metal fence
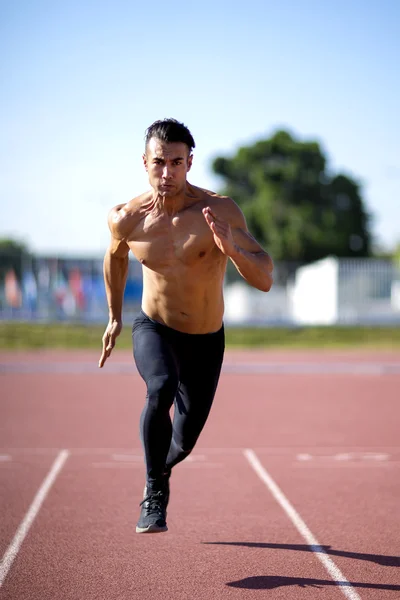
x=368 y=291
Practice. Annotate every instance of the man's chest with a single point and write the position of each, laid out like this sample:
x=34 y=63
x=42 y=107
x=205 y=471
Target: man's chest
x=165 y=241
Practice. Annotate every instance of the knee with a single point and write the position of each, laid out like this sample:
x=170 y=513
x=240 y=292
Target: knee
x=162 y=388
x=183 y=448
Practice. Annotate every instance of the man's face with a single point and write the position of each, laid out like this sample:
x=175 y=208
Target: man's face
x=167 y=165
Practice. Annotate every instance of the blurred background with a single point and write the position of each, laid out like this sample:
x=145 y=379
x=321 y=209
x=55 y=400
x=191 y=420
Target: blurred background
x=294 y=110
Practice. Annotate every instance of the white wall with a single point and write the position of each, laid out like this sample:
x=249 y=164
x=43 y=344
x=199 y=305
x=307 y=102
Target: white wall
x=314 y=296
x=244 y=304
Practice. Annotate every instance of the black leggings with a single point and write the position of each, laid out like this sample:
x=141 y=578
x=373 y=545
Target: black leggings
x=180 y=369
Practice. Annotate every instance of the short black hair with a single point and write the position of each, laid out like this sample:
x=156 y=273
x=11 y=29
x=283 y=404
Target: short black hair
x=170 y=130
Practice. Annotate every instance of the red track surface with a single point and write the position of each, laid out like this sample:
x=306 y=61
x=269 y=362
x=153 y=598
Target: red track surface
x=326 y=434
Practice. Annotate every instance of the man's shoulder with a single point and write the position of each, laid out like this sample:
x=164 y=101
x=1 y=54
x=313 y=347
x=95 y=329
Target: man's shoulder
x=123 y=218
x=211 y=198
x=224 y=206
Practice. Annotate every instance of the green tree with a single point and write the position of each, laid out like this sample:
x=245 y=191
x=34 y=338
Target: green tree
x=293 y=205
x=12 y=256
x=396 y=254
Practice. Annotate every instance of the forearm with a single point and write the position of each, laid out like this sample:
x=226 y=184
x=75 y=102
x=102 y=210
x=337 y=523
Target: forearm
x=115 y=270
x=255 y=267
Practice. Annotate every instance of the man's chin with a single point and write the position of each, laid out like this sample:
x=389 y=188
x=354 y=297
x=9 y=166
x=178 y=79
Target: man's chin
x=167 y=191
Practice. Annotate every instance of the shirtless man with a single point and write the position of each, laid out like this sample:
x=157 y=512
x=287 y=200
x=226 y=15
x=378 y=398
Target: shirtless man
x=183 y=236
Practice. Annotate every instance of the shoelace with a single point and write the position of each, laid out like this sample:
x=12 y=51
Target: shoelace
x=155 y=502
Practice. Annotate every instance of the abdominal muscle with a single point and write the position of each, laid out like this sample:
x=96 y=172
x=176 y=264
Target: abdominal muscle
x=190 y=302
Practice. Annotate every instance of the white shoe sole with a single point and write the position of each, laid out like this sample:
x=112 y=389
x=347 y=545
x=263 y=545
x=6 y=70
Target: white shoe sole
x=151 y=529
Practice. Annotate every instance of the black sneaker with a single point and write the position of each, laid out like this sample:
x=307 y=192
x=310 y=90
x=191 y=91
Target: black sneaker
x=163 y=485
x=154 y=512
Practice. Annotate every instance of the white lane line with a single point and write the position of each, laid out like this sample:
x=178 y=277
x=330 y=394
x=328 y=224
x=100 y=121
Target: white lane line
x=337 y=576
x=30 y=516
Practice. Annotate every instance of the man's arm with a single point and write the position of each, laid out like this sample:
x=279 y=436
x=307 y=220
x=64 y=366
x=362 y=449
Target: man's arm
x=252 y=262
x=115 y=271
x=234 y=239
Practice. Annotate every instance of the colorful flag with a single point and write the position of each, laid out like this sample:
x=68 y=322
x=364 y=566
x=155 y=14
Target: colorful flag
x=12 y=290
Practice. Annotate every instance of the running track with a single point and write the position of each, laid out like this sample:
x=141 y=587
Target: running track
x=292 y=492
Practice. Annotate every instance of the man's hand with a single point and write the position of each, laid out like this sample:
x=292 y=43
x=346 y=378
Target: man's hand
x=111 y=333
x=222 y=232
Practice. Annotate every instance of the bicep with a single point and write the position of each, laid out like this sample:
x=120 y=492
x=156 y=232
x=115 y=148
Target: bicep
x=243 y=238
x=118 y=248
x=241 y=235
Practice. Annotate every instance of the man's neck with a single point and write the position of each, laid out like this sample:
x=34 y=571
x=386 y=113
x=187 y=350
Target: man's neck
x=171 y=204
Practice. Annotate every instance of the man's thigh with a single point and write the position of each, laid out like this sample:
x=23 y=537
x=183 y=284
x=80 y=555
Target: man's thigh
x=200 y=367
x=152 y=351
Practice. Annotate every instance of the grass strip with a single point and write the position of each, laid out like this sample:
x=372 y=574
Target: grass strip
x=25 y=336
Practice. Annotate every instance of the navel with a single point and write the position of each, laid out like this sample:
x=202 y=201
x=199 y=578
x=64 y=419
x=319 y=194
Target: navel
x=201 y=254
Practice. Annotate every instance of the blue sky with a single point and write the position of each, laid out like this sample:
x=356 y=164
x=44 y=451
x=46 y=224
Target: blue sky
x=81 y=81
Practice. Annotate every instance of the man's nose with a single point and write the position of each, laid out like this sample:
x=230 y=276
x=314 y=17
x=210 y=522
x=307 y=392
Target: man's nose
x=167 y=173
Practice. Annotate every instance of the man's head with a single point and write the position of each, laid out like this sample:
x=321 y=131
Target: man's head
x=168 y=156
x=169 y=131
